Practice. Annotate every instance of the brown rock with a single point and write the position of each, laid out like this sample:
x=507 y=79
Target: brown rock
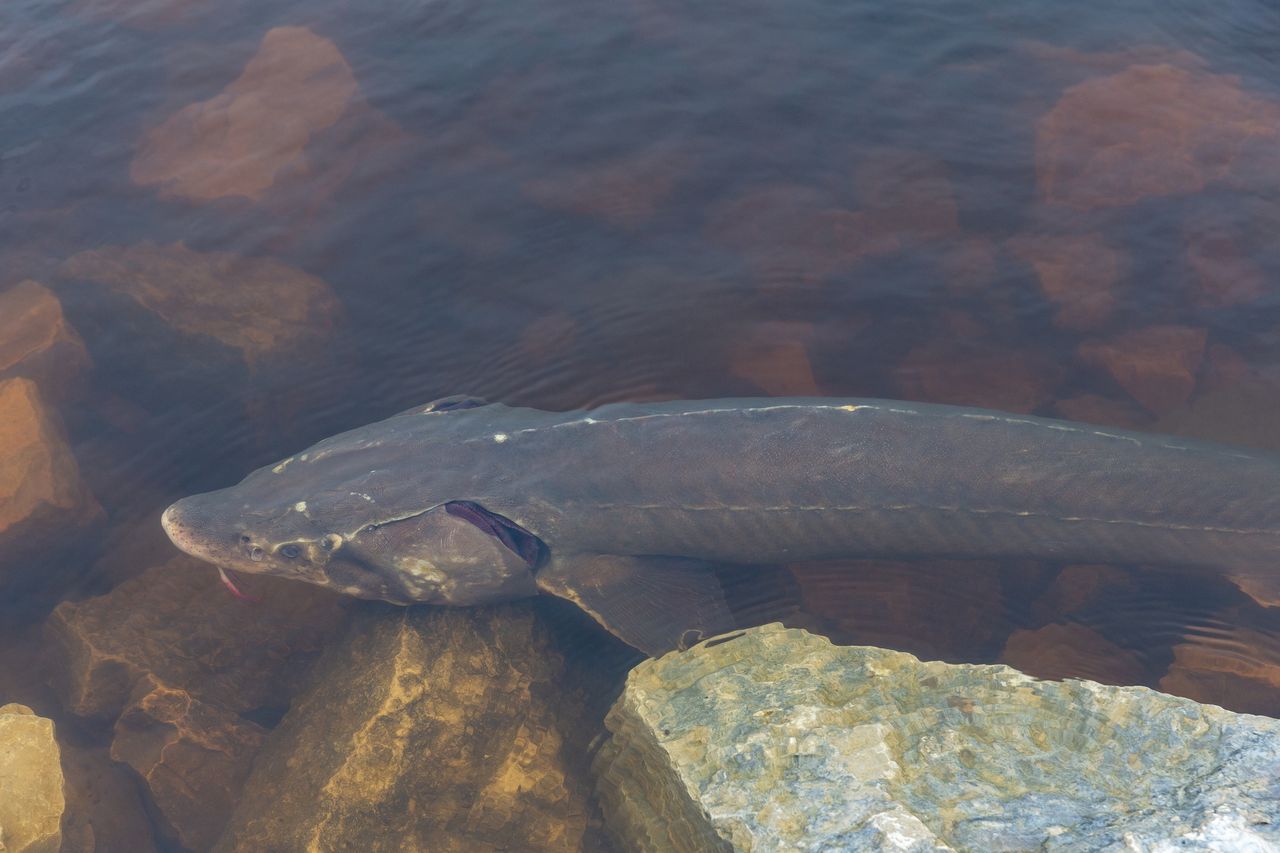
x=1071 y=651
x=951 y=609
x=42 y=498
x=176 y=623
x=36 y=341
x=1079 y=586
x=192 y=757
x=1096 y=409
x=239 y=142
x=776 y=359
x=1238 y=668
x=1158 y=365
x=1225 y=272
x=104 y=810
x=258 y=306
x=31 y=799
x=1078 y=273
x=425 y=729
x=976 y=375
x=1150 y=130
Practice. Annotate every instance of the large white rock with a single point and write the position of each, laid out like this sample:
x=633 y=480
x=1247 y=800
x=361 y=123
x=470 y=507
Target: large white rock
x=31 y=798
x=776 y=740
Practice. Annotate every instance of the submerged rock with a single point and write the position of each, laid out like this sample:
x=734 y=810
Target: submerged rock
x=176 y=624
x=31 y=800
x=1078 y=274
x=256 y=306
x=775 y=739
x=239 y=142
x=1158 y=365
x=36 y=341
x=1153 y=130
x=193 y=758
x=425 y=729
x=42 y=498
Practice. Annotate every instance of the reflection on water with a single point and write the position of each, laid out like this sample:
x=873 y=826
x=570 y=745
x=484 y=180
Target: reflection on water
x=231 y=229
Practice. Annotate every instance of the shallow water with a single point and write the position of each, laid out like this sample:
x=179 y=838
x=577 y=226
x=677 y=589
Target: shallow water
x=1058 y=209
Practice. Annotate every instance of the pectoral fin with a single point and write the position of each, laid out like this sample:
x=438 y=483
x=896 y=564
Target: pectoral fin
x=653 y=603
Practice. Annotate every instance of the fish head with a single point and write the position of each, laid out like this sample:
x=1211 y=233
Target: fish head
x=361 y=514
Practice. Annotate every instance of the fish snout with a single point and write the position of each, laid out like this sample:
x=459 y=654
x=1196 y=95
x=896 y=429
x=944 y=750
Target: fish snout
x=176 y=527
x=190 y=526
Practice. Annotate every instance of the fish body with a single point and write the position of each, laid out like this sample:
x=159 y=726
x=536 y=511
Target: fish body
x=461 y=502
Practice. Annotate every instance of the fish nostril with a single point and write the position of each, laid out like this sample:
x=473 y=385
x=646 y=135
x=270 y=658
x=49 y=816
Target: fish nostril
x=256 y=554
x=245 y=539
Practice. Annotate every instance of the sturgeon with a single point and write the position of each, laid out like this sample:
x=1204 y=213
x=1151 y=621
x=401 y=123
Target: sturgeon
x=626 y=509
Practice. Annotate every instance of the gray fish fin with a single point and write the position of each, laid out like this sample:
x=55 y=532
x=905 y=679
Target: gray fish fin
x=656 y=604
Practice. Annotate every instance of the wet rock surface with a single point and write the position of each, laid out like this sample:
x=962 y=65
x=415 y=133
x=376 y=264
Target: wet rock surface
x=1157 y=365
x=193 y=757
x=43 y=501
x=37 y=341
x=105 y=811
x=177 y=624
x=775 y=739
x=31 y=798
x=425 y=729
x=239 y=142
x=258 y=307
x=1152 y=130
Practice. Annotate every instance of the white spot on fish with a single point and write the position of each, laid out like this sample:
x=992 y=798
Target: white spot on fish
x=351 y=590
x=500 y=437
x=303 y=457
x=361 y=495
x=300 y=506
x=281 y=466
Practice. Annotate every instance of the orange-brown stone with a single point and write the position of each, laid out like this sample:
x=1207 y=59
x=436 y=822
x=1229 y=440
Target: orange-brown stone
x=1071 y=651
x=1239 y=670
x=41 y=493
x=775 y=358
x=1079 y=586
x=240 y=141
x=258 y=306
x=952 y=609
x=193 y=759
x=1078 y=273
x=1151 y=130
x=36 y=341
x=177 y=624
x=1157 y=365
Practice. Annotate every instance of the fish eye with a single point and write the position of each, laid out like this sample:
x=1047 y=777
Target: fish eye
x=290 y=551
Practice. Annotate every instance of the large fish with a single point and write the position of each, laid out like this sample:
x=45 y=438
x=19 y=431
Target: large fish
x=624 y=509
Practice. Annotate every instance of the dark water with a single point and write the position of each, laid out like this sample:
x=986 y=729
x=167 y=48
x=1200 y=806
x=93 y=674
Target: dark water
x=1062 y=209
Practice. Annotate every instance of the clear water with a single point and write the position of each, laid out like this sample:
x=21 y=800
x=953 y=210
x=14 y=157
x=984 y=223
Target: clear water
x=569 y=203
